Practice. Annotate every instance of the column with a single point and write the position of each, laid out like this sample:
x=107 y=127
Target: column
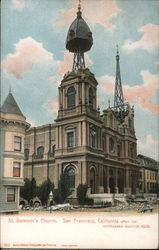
x=88 y=134
x=108 y=187
x=63 y=95
x=60 y=137
x=126 y=149
x=107 y=144
x=127 y=188
x=100 y=179
x=57 y=142
x=84 y=172
x=77 y=95
x=79 y=134
x=84 y=133
x=59 y=171
x=83 y=93
x=116 y=189
x=55 y=176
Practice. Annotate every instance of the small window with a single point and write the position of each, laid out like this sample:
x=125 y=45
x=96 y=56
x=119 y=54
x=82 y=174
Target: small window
x=26 y=154
x=118 y=150
x=111 y=145
x=91 y=97
x=71 y=97
x=53 y=149
x=70 y=140
x=93 y=140
x=17 y=143
x=131 y=152
x=16 y=169
x=93 y=136
x=40 y=152
x=10 y=194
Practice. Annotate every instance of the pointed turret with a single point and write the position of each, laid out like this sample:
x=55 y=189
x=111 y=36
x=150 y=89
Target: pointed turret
x=10 y=106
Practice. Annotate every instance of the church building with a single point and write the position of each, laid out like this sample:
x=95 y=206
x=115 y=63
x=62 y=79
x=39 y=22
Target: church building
x=91 y=148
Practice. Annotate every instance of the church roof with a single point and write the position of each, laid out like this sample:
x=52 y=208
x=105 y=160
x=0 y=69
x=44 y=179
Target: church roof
x=10 y=106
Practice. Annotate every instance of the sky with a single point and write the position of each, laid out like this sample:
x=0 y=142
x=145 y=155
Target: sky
x=34 y=58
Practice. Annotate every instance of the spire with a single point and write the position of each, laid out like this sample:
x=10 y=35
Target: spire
x=118 y=94
x=79 y=5
x=79 y=9
x=108 y=103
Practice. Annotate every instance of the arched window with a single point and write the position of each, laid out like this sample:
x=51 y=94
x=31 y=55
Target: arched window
x=40 y=152
x=71 y=97
x=91 y=97
x=70 y=177
x=26 y=154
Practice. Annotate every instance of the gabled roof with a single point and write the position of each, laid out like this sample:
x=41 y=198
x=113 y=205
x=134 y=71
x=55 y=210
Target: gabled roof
x=10 y=106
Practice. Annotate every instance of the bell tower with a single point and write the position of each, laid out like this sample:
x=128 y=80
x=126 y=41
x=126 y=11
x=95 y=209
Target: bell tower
x=78 y=124
x=77 y=92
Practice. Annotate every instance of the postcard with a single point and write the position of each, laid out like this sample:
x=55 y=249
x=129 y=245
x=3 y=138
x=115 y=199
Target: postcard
x=79 y=124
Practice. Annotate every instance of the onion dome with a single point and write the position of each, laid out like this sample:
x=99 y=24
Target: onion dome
x=79 y=35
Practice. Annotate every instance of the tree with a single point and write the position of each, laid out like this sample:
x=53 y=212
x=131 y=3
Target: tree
x=44 y=191
x=63 y=191
x=81 y=193
x=33 y=188
x=29 y=190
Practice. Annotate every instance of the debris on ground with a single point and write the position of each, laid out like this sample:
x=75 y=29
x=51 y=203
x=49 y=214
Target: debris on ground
x=61 y=207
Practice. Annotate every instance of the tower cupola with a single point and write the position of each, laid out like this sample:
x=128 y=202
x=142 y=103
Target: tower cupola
x=79 y=40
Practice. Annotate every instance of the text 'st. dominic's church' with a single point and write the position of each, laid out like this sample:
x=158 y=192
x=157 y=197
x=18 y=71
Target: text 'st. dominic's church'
x=89 y=148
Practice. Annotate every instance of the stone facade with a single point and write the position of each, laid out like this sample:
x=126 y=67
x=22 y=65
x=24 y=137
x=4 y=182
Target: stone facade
x=39 y=153
x=12 y=132
x=89 y=147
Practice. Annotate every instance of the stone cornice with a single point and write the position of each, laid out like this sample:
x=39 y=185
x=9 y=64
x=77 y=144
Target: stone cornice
x=20 y=123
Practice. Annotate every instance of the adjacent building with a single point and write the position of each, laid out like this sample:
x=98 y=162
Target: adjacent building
x=148 y=174
x=12 y=135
